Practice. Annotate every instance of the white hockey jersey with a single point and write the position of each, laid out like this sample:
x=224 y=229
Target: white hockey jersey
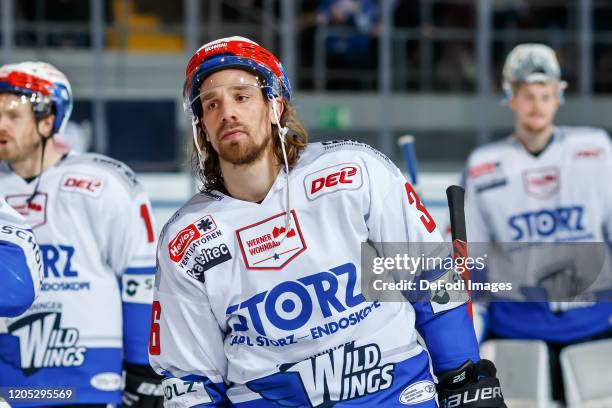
x=21 y=266
x=250 y=311
x=563 y=194
x=92 y=221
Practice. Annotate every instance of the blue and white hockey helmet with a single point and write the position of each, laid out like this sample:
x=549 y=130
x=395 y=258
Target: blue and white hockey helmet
x=238 y=53
x=531 y=63
x=42 y=85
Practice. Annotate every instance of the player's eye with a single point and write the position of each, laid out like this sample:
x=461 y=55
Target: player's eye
x=242 y=98
x=211 y=105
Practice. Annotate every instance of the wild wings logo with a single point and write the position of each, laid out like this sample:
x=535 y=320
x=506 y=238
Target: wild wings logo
x=342 y=374
x=42 y=342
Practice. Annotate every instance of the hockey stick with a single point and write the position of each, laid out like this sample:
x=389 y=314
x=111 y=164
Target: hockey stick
x=455 y=196
x=406 y=142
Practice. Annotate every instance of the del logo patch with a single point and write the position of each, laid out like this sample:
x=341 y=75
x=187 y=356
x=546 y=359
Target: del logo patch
x=83 y=184
x=331 y=179
x=268 y=244
x=34 y=211
x=541 y=183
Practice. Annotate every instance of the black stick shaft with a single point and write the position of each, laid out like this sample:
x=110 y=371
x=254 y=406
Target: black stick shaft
x=455 y=196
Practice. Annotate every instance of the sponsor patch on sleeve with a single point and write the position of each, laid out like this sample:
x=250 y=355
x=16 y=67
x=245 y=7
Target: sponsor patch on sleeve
x=137 y=288
x=191 y=233
x=80 y=183
x=484 y=168
x=347 y=176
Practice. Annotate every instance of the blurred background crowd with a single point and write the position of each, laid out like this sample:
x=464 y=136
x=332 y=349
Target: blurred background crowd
x=362 y=69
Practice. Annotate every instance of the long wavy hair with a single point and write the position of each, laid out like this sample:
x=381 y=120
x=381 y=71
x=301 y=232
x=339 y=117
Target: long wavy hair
x=295 y=142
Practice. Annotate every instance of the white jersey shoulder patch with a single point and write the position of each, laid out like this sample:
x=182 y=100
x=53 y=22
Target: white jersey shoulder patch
x=92 y=164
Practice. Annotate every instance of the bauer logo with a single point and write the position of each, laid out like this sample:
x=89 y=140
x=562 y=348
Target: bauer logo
x=34 y=211
x=418 y=392
x=44 y=343
x=180 y=243
x=542 y=183
x=78 y=183
x=271 y=244
x=342 y=374
x=346 y=176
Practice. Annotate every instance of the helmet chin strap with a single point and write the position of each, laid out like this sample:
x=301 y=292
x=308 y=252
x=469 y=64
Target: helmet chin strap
x=44 y=141
x=282 y=133
x=194 y=126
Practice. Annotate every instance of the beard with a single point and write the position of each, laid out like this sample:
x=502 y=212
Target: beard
x=537 y=127
x=13 y=152
x=246 y=152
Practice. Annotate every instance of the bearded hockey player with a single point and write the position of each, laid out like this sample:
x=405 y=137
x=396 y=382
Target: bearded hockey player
x=21 y=268
x=91 y=219
x=542 y=184
x=258 y=297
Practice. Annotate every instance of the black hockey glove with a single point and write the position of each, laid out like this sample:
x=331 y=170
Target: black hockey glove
x=143 y=387
x=470 y=386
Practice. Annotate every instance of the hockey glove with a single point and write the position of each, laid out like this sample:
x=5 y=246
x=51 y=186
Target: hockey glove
x=143 y=387
x=470 y=386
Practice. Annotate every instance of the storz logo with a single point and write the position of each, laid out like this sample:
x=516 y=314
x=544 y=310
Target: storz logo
x=290 y=304
x=43 y=342
x=208 y=258
x=58 y=261
x=341 y=177
x=59 y=272
x=342 y=374
x=547 y=222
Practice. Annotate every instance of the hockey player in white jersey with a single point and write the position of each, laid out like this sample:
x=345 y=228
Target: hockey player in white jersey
x=543 y=184
x=92 y=221
x=258 y=299
x=21 y=267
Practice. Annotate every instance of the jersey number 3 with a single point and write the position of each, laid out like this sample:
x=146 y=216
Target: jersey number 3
x=426 y=218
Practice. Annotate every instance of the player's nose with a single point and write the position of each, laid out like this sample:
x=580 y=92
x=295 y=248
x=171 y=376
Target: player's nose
x=228 y=110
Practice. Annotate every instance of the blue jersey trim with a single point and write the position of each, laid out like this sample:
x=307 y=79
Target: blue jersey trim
x=147 y=270
x=17 y=286
x=136 y=327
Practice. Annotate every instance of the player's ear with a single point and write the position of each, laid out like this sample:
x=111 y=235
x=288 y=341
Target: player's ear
x=45 y=125
x=280 y=108
x=512 y=103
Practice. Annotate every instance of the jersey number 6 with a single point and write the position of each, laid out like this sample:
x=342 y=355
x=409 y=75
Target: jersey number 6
x=154 y=345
